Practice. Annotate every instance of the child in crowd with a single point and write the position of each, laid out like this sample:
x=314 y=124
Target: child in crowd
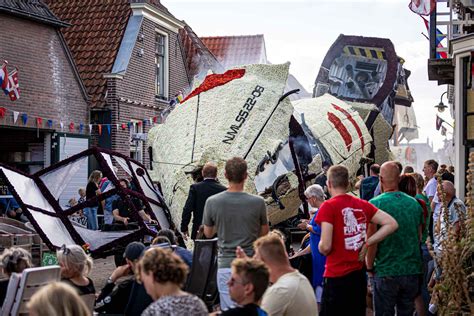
x=82 y=195
x=78 y=216
x=13 y=260
x=72 y=202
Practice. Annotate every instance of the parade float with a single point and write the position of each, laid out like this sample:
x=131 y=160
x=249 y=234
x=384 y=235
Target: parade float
x=349 y=122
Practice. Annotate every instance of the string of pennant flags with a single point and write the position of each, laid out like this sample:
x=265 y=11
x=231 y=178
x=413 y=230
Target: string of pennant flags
x=24 y=119
x=10 y=86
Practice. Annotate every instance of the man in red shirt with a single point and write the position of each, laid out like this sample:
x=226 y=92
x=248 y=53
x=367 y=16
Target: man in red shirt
x=344 y=220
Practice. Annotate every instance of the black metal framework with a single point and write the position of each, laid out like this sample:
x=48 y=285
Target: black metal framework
x=137 y=171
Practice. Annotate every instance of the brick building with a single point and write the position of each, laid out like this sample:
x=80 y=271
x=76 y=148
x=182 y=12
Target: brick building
x=134 y=57
x=34 y=128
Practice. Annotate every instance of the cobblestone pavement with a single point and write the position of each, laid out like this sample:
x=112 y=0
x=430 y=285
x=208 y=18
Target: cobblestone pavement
x=101 y=270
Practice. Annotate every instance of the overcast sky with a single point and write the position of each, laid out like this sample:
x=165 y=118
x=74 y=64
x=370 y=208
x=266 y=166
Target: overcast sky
x=301 y=31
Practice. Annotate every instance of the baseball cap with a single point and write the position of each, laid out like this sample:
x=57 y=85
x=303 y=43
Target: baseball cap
x=134 y=250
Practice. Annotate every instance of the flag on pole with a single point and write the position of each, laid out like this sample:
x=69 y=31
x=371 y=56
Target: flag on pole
x=422 y=7
x=180 y=97
x=4 y=76
x=14 y=86
x=439 y=122
x=439 y=37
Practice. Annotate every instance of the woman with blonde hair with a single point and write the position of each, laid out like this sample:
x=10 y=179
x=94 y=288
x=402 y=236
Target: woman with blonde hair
x=57 y=299
x=163 y=274
x=75 y=266
x=93 y=190
x=12 y=260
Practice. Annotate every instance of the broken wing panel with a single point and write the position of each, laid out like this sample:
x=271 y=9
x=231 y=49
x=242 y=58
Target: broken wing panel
x=58 y=179
x=29 y=194
x=27 y=190
x=97 y=239
x=53 y=228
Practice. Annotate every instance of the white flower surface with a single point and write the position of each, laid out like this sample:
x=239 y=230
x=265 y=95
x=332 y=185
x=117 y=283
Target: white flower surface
x=382 y=131
x=180 y=144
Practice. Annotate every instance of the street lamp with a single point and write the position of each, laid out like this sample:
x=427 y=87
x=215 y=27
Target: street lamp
x=441 y=107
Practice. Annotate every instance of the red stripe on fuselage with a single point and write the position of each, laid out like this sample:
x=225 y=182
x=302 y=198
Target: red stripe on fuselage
x=350 y=118
x=215 y=80
x=346 y=136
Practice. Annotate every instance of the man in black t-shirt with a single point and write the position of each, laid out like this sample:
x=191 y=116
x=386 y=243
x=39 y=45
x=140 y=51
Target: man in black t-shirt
x=249 y=280
x=121 y=210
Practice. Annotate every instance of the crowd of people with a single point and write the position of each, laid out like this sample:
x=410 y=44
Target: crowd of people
x=369 y=253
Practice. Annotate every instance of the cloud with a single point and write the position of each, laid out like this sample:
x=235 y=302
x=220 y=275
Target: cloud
x=415 y=54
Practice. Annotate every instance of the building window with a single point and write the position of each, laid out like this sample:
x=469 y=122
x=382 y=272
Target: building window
x=160 y=63
x=468 y=106
x=136 y=141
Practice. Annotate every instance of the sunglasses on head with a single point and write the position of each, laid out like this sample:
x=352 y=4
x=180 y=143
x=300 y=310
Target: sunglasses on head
x=65 y=250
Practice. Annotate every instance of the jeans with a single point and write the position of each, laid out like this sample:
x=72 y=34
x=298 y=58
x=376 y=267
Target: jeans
x=425 y=294
x=108 y=217
x=223 y=276
x=396 y=292
x=91 y=215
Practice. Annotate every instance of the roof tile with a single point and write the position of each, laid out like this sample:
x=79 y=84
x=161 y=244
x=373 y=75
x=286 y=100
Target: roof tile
x=94 y=38
x=237 y=50
x=35 y=10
